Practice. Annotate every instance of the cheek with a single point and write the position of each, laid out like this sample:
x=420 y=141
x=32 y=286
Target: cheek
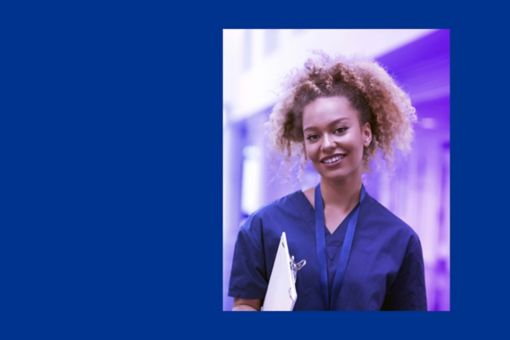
x=356 y=141
x=310 y=151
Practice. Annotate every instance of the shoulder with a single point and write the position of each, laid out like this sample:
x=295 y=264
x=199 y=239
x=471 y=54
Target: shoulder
x=377 y=215
x=293 y=206
x=381 y=229
x=288 y=205
x=263 y=228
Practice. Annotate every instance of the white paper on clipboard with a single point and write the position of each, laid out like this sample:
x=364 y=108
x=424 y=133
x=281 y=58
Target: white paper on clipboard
x=281 y=292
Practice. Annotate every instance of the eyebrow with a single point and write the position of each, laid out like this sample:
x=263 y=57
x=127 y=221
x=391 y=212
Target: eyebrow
x=336 y=121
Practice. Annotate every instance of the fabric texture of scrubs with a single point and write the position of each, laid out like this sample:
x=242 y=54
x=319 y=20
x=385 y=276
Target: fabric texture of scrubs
x=385 y=269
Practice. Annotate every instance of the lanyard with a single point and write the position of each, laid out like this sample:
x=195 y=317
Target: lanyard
x=345 y=251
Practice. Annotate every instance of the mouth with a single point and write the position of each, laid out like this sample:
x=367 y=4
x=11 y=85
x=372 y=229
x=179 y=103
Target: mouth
x=332 y=160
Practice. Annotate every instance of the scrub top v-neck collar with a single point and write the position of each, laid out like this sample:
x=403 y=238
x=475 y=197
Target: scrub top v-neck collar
x=331 y=286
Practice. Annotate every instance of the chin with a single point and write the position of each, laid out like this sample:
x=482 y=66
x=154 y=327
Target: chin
x=340 y=174
x=337 y=175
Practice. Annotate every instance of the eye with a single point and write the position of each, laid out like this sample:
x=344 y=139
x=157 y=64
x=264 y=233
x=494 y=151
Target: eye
x=341 y=130
x=312 y=138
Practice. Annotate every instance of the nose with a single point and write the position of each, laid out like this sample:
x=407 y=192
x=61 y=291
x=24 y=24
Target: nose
x=327 y=143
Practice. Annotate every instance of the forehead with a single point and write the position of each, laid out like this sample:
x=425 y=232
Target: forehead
x=325 y=110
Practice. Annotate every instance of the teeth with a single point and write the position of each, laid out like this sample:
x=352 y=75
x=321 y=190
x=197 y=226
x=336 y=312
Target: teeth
x=332 y=160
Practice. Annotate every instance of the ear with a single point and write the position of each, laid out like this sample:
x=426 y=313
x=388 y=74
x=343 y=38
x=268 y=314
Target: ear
x=366 y=134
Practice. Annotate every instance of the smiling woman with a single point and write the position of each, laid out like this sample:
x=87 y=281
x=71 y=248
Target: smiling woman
x=337 y=113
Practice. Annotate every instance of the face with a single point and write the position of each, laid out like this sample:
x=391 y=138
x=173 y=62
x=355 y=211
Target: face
x=334 y=137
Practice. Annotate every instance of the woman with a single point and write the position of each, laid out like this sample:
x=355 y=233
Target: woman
x=360 y=256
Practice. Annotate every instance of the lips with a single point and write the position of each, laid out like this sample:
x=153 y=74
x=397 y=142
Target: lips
x=333 y=159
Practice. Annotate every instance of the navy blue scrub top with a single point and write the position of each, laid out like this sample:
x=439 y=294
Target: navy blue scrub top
x=385 y=269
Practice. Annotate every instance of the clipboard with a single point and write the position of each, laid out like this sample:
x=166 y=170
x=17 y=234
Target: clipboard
x=281 y=292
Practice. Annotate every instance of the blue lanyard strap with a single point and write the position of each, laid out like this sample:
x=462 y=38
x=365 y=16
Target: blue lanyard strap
x=345 y=251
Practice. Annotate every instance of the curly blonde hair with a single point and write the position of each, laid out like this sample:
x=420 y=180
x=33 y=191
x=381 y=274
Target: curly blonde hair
x=368 y=87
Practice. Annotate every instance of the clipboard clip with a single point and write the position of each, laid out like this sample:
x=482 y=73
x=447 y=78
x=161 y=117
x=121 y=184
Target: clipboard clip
x=296 y=266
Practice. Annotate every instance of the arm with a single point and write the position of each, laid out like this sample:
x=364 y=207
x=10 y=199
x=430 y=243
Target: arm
x=248 y=278
x=407 y=291
x=251 y=305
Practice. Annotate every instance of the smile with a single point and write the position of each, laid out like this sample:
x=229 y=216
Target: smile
x=332 y=159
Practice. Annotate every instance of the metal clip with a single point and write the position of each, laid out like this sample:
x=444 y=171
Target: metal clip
x=295 y=267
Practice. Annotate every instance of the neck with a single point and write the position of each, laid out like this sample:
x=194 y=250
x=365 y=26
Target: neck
x=343 y=195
